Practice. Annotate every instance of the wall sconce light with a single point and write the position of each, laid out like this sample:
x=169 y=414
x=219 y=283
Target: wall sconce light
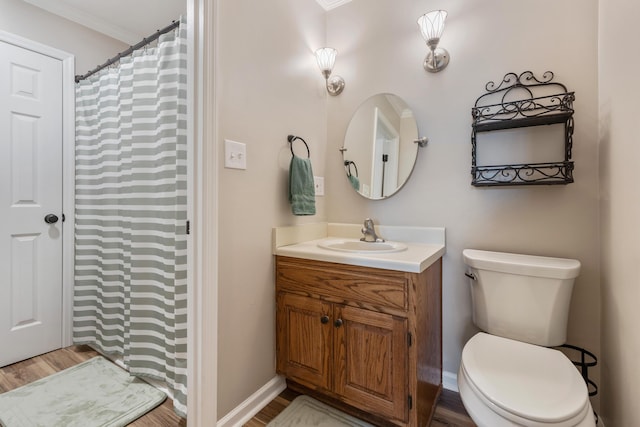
x=326 y=57
x=431 y=26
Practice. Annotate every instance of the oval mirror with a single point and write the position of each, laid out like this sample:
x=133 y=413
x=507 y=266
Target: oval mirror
x=379 y=150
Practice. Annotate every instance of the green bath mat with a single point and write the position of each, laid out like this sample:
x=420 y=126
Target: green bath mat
x=95 y=393
x=307 y=412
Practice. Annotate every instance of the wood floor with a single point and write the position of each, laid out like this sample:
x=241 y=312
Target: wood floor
x=21 y=373
x=449 y=412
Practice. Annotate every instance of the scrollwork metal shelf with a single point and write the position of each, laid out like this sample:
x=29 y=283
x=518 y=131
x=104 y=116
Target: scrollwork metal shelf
x=521 y=101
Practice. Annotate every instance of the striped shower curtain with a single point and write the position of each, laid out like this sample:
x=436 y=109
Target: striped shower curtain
x=130 y=242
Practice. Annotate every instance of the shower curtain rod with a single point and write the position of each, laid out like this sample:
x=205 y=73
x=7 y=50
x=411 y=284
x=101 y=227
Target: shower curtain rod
x=145 y=41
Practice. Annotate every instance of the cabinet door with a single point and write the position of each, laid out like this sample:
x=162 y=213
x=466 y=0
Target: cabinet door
x=304 y=340
x=371 y=358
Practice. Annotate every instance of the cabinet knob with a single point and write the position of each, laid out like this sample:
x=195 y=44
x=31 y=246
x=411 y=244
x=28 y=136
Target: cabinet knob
x=324 y=319
x=338 y=323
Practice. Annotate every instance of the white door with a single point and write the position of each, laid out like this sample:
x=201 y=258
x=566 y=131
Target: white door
x=386 y=152
x=30 y=189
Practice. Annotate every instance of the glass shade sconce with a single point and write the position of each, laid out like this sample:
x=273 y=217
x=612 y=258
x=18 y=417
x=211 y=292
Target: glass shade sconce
x=326 y=57
x=432 y=26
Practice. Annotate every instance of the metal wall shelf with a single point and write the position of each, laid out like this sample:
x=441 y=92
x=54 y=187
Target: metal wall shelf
x=521 y=101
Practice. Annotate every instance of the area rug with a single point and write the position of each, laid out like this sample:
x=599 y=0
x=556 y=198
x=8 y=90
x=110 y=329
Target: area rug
x=306 y=412
x=95 y=393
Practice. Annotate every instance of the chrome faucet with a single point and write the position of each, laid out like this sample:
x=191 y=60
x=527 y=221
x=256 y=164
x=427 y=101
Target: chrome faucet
x=370 y=233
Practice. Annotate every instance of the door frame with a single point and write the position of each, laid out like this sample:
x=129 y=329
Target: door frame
x=202 y=265
x=68 y=158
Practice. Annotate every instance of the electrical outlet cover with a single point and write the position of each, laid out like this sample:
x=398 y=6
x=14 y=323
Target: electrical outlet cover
x=318 y=182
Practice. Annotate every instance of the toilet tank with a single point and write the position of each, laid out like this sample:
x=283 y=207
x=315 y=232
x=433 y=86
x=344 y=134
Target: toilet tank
x=522 y=297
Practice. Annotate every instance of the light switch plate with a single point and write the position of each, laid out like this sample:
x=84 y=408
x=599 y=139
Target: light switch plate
x=235 y=154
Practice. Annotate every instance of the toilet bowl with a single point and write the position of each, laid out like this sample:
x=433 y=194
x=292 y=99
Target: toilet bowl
x=504 y=382
x=508 y=375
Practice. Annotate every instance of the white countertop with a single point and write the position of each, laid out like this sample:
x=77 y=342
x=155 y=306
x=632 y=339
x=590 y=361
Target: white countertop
x=419 y=255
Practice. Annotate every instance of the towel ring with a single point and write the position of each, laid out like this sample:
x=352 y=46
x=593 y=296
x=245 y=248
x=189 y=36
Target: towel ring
x=292 y=138
x=348 y=164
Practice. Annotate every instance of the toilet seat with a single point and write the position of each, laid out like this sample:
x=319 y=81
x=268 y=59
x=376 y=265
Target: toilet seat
x=524 y=383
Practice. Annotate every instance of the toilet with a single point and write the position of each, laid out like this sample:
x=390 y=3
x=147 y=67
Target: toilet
x=508 y=374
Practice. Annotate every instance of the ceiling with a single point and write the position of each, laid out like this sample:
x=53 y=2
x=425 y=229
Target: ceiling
x=126 y=20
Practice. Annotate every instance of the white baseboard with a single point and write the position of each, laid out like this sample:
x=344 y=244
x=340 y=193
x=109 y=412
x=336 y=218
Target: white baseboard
x=254 y=403
x=450 y=381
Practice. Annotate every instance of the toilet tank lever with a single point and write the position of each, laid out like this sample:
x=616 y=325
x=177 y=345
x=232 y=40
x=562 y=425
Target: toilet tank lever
x=470 y=276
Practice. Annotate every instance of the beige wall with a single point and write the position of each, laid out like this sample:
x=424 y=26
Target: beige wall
x=620 y=211
x=89 y=47
x=380 y=50
x=268 y=86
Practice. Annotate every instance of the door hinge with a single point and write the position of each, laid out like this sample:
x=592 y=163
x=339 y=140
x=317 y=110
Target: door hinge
x=188 y=227
x=409 y=339
x=410 y=400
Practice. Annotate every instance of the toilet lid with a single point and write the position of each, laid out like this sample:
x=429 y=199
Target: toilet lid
x=526 y=380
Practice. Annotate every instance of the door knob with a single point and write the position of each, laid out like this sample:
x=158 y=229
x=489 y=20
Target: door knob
x=324 y=319
x=337 y=323
x=51 y=219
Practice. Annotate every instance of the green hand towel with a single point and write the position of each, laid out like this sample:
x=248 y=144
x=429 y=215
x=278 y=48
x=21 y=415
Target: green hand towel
x=302 y=191
x=355 y=182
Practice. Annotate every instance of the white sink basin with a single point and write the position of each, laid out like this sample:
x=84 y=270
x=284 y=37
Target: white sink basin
x=358 y=246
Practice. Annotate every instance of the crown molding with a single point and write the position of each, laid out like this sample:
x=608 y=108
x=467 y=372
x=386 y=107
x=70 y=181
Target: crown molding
x=331 y=4
x=83 y=18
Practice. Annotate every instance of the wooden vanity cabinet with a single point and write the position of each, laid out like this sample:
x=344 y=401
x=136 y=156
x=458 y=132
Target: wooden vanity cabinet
x=365 y=338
